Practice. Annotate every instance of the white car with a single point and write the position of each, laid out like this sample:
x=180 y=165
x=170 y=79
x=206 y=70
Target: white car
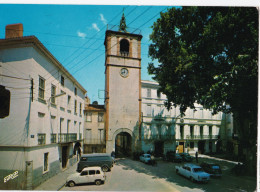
x=146 y=158
x=87 y=175
x=193 y=172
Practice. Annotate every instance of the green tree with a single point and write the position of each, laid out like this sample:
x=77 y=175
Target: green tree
x=209 y=55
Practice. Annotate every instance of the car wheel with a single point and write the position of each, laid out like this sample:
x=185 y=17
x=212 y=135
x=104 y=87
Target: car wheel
x=192 y=179
x=71 y=184
x=177 y=171
x=98 y=182
x=105 y=168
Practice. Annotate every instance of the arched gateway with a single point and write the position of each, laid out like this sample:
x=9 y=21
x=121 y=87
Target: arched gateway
x=123 y=142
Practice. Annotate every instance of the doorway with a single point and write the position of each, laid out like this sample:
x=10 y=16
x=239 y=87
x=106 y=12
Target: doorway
x=64 y=156
x=158 y=148
x=201 y=147
x=123 y=145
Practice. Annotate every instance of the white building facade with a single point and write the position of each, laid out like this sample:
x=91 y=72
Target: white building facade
x=164 y=130
x=43 y=133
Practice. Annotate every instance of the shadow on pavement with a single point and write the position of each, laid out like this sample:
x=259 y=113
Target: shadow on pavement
x=166 y=170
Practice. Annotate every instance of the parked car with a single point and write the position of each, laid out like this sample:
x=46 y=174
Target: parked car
x=146 y=158
x=212 y=168
x=87 y=175
x=102 y=160
x=193 y=172
x=186 y=157
x=177 y=158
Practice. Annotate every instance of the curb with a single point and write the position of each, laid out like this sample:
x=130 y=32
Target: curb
x=61 y=187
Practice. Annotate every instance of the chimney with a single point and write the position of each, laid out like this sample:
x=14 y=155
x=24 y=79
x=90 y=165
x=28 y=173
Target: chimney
x=14 y=30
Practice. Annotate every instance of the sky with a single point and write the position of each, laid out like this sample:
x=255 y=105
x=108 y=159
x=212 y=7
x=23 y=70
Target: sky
x=75 y=35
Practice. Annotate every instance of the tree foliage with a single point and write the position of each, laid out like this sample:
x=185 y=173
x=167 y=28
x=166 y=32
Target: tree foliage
x=209 y=56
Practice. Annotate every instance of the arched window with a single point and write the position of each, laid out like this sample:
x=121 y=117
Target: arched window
x=124 y=47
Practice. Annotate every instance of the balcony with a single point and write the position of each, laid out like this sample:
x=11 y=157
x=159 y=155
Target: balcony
x=95 y=141
x=67 y=137
x=158 y=137
x=201 y=137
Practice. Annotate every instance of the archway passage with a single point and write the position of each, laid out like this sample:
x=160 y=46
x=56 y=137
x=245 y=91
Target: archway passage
x=123 y=144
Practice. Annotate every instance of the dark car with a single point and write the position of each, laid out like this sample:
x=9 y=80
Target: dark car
x=172 y=156
x=212 y=168
x=177 y=158
x=186 y=157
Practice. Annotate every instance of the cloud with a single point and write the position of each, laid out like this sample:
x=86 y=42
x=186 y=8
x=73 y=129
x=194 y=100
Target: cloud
x=82 y=35
x=102 y=18
x=94 y=25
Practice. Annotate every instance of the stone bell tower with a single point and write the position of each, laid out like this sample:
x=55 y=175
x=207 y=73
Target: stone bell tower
x=123 y=88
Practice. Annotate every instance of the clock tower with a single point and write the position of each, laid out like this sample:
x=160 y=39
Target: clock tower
x=123 y=88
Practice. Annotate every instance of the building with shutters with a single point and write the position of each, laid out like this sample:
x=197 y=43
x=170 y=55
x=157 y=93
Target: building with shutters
x=94 y=128
x=43 y=133
x=165 y=130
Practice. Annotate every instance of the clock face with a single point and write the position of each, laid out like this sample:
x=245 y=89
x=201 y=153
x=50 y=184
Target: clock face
x=124 y=72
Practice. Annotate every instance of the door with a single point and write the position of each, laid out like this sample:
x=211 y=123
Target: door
x=181 y=147
x=91 y=176
x=158 y=148
x=64 y=156
x=83 y=177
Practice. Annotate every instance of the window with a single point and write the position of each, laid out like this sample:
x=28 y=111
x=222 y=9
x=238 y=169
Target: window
x=210 y=130
x=75 y=91
x=41 y=138
x=191 y=130
x=100 y=117
x=97 y=172
x=92 y=172
x=201 y=130
x=46 y=164
x=149 y=110
x=75 y=107
x=41 y=87
x=158 y=94
x=84 y=173
x=69 y=98
x=88 y=134
x=53 y=138
x=80 y=108
x=192 y=145
x=62 y=80
x=124 y=47
x=149 y=93
x=88 y=116
x=182 y=131
x=101 y=135
x=53 y=93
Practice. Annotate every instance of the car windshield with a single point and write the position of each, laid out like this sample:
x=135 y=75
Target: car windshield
x=198 y=169
x=215 y=167
x=177 y=155
x=147 y=156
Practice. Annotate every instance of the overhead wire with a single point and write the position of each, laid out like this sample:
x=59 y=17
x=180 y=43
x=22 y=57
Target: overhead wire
x=93 y=43
x=111 y=47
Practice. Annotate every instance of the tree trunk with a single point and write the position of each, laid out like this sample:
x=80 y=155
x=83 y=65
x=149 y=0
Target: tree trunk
x=246 y=127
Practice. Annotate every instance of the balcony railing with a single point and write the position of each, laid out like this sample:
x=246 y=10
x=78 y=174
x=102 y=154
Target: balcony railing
x=94 y=141
x=67 y=137
x=158 y=137
x=198 y=137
